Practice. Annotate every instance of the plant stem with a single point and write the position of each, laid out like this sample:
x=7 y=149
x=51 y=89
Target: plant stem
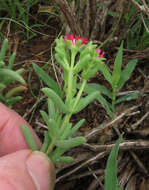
x=68 y=116
x=70 y=79
x=69 y=97
x=50 y=148
x=79 y=94
x=113 y=98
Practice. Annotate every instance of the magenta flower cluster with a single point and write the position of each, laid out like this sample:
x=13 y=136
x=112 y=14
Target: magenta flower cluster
x=84 y=40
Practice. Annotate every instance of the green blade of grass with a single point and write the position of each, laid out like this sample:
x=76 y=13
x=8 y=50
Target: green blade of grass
x=117 y=67
x=111 y=182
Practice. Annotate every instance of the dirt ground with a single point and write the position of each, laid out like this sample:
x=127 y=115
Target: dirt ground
x=132 y=118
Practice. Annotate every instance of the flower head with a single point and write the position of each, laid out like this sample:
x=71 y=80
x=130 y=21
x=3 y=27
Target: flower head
x=74 y=39
x=99 y=53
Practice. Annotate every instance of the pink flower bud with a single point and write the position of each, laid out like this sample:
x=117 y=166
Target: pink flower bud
x=99 y=53
x=74 y=39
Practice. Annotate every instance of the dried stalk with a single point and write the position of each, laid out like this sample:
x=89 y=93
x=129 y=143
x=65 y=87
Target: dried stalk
x=128 y=145
x=95 y=29
x=110 y=124
x=93 y=10
x=89 y=161
x=86 y=23
x=69 y=16
x=144 y=8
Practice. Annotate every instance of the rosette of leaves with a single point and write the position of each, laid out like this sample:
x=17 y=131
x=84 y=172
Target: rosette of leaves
x=8 y=76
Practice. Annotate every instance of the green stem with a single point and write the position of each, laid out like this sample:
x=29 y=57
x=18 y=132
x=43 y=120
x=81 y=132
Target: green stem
x=70 y=79
x=79 y=94
x=68 y=116
x=50 y=148
x=69 y=98
x=113 y=99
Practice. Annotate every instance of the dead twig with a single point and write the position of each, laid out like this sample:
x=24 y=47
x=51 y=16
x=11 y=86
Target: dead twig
x=143 y=8
x=126 y=174
x=127 y=145
x=104 y=126
x=134 y=126
x=98 y=156
x=139 y=163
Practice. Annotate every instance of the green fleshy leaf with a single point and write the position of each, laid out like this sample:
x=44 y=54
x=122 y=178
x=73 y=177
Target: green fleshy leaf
x=83 y=102
x=107 y=105
x=11 y=60
x=47 y=79
x=70 y=143
x=10 y=101
x=91 y=87
x=53 y=128
x=2 y=64
x=91 y=70
x=7 y=74
x=15 y=90
x=3 y=49
x=76 y=127
x=126 y=73
x=46 y=142
x=106 y=72
x=61 y=61
x=56 y=99
x=29 y=138
x=128 y=97
x=51 y=109
x=60 y=51
x=20 y=71
x=65 y=132
x=2 y=86
x=82 y=63
x=64 y=159
x=45 y=117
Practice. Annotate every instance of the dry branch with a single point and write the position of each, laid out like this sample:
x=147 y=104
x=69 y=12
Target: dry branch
x=128 y=145
x=69 y=16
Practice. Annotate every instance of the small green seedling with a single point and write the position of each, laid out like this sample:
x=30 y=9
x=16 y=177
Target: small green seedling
x=8 y=76
x=116 y=79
